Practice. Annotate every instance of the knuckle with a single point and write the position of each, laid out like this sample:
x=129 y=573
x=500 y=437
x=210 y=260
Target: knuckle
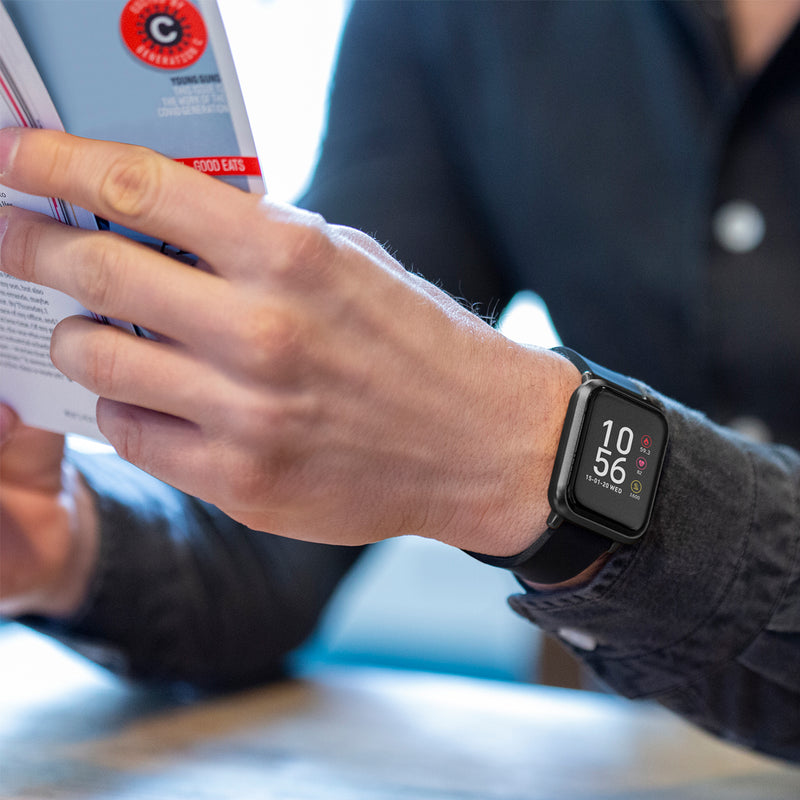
x=307 y=246
x=267 y=418
x=269 y=341
x=98 y=259
x=21 y=246
x=100 y=364
x=357 y=237
x=265 y=454
x=369 y=245
x=57 y=161
x=131 y=186
x=128 y=441
x=246 y=480
x=124 y=431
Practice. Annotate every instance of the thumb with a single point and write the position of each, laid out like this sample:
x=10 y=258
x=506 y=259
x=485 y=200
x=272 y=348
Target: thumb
x=8 y=423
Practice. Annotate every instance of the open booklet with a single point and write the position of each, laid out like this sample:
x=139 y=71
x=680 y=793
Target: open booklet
x=159 y=74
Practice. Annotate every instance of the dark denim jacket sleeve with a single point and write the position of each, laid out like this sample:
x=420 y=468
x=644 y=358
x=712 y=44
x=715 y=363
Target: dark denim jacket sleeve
x=183 y=594
x=703 y=615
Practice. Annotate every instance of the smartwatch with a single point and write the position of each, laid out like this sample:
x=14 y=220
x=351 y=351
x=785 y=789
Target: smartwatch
x=604 y=480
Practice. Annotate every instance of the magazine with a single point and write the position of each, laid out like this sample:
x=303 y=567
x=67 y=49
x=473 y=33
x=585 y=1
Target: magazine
x=158 y=74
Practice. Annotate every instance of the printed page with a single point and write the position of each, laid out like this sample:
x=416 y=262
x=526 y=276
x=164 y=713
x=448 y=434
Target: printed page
x=29 y=382
x=159 y=74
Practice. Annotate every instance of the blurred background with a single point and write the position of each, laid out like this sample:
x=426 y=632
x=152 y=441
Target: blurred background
x=284 y=51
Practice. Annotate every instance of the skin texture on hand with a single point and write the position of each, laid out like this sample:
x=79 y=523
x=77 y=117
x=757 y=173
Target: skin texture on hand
x=302 y=381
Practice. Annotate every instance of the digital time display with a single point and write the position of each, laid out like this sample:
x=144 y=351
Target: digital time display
x=622 y=448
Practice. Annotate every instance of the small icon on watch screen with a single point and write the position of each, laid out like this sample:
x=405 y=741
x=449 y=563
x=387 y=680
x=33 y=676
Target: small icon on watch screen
x=641 y=463
x=647 y=441
x=636 y=487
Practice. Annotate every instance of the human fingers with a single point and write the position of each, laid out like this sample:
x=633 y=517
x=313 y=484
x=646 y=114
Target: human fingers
x=239 y=235
x=168 y=447
x=29 y=458
x=187 y=457
x=131 y=186
x=48 y=534
x=115 y=277
x=161 y=376
x=8 y=421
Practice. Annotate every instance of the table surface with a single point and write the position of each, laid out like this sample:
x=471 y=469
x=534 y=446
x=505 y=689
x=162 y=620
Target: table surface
x=70 y=730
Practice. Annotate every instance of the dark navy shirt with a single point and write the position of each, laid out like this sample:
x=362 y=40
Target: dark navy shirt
x=609 y=157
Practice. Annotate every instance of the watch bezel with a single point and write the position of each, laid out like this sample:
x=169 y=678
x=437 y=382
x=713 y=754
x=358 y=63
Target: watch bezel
x=560 y=491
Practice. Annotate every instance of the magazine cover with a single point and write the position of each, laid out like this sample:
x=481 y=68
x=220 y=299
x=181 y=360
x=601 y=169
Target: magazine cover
x=158 y=74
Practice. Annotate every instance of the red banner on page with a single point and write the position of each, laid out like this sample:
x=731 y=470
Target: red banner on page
x=225 y=165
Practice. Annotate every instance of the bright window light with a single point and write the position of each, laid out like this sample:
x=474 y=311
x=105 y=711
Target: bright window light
x=284 y=51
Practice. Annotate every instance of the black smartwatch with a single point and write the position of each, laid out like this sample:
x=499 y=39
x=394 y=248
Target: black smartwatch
x=605 y=477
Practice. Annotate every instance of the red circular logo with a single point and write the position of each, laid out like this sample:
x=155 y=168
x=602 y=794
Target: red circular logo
x=168 y=35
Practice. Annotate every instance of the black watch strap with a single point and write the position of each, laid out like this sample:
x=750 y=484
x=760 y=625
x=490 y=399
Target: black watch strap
x=564 y=550
x=585 y=366
x=557 y=555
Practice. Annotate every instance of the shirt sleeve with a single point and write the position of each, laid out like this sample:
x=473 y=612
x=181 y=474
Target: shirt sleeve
x=182 y=594
x=704 y=614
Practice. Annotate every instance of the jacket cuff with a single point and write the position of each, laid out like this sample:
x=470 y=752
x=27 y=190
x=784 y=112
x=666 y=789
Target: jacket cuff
x=704 y=580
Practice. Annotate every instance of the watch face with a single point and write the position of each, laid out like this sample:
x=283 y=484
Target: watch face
x=620 y=454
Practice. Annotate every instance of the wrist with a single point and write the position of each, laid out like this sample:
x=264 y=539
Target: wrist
x=525 y=450
x=604 y=479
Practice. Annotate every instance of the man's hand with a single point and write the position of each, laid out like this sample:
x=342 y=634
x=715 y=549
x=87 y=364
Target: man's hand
x=47 y=533
x=303 y=382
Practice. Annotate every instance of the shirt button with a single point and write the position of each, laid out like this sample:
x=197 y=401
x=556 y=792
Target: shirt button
x=752 y=428
x=579 y=639
x=738 y=226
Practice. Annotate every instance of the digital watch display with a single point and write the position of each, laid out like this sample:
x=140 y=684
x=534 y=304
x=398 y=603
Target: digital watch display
x=604 y=480
x=609 y=463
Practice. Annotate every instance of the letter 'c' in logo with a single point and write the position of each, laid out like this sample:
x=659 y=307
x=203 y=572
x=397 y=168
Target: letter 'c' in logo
x=168 y=35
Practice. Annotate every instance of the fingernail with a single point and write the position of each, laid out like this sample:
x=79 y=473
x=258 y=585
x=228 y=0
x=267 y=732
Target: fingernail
x=9 y=141
x=3 y=228
x=8 y=420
